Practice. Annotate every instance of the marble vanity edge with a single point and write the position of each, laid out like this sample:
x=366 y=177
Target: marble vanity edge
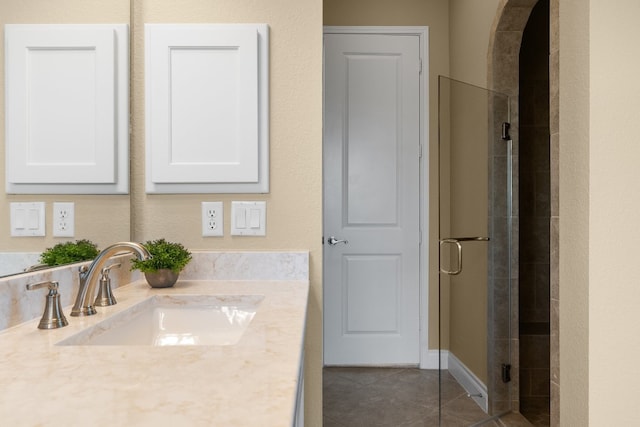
x=17 y=305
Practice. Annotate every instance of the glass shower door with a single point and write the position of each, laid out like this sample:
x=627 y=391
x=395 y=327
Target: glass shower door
x=475 y=170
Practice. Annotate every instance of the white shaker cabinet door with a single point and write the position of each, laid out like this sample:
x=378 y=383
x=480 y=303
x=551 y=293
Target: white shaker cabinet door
x=67 y=109
x=206 y=108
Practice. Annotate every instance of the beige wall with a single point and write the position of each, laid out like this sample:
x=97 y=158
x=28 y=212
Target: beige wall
x=600 y=98
x=599 y=296
x=468 y=217
x=434 y=14
x=471 y=22
x=614 y=203
x=458 y=41
x=294 y=204
x=110 y=213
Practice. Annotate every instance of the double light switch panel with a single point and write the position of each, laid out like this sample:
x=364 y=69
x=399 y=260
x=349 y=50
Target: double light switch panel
x=27 y=219
x=248 y=218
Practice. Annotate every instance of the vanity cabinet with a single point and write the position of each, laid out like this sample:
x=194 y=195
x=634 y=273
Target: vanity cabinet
x=67 y=109
x=206 y=97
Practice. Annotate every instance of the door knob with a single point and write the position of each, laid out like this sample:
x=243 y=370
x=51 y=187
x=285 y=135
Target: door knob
x=333 y=241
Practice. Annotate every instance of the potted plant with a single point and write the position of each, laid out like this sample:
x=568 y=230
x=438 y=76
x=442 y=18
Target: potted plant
x=166 y=262
x=69 y=253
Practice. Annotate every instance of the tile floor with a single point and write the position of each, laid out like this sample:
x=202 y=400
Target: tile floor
x=399 y=397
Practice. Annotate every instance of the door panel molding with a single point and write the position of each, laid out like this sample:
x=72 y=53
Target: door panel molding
x=360 y=222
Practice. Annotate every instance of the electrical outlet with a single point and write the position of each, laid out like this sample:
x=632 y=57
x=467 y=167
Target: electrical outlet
x=63 y=219
x=212 y=219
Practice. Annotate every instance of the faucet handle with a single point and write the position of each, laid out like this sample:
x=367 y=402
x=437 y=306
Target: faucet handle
x=53 y=316
x=51 y=284
x=105 y=296
x=105 y=271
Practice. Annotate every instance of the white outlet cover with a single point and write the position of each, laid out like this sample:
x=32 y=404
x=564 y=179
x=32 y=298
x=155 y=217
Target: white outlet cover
x=212 y=219
x=63 y=219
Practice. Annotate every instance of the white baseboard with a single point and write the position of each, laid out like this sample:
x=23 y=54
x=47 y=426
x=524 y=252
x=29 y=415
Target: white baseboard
x=467 y=379
x=429 y=359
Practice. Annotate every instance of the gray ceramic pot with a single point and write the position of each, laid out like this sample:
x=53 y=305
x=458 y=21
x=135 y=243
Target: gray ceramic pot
x=163 y=278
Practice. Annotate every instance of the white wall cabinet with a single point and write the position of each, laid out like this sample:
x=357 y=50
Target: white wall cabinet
x=207 y=108
x=67 y=109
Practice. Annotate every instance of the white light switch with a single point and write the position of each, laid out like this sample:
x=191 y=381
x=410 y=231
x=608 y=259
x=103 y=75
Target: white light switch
x=27 y=219
x=241 y=217
x=254 y=218
x=248 y=218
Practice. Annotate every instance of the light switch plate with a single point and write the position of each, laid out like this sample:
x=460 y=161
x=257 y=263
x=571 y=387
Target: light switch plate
x=27 y=219
x=212 y=219
x=248 y=218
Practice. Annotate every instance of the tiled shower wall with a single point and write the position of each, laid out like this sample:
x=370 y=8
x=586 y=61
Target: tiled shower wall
x=503 y=77
x=512 y=16
x=534 y=215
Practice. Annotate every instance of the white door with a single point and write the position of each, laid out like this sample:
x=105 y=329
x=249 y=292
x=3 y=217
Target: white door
x=371 y=199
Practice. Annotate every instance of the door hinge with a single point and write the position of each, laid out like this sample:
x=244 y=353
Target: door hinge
x=420 y=151
x=420 y=69
x=505 y=131
x=506 y=372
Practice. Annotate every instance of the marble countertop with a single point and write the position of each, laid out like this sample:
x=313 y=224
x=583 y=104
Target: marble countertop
x=251 y=383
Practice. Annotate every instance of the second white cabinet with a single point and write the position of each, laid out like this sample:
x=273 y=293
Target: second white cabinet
x=207 y=108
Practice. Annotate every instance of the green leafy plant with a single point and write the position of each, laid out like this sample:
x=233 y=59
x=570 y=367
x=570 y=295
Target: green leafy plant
x=69 y=252
x=164 y=255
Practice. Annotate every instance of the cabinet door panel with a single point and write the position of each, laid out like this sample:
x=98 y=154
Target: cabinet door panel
x=206 y=108
x=67 y=108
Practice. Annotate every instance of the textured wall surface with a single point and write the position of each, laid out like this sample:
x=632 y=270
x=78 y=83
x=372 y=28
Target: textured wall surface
x=294 y=203
x=111 y=212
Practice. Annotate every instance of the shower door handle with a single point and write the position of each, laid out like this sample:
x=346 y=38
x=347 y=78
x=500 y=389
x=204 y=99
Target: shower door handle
x=457 y=241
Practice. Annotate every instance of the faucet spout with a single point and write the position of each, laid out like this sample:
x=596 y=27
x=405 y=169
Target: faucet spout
x=89 y=278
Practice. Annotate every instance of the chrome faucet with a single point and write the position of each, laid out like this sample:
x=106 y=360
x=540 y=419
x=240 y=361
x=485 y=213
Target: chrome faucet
x=88 y=277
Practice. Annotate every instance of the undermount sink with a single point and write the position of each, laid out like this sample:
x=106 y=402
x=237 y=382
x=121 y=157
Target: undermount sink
x=170 y=320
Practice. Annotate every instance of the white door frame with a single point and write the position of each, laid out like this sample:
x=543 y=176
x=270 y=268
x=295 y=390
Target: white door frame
x=428 y=359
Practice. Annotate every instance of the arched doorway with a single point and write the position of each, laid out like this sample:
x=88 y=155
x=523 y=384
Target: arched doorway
x=504 y=76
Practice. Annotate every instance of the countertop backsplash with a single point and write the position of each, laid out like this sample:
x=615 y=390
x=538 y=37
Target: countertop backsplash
x=247 y=266
x=17 y=305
